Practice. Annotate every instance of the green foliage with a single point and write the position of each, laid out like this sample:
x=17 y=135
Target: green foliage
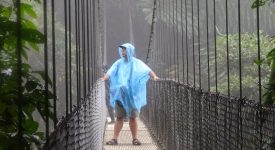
x=260 y=3
x=270 y=57
x=33 y=98
x=249 y=55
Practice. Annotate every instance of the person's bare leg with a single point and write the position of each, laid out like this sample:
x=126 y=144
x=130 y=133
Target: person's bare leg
x=133 y=126
x=118 y=127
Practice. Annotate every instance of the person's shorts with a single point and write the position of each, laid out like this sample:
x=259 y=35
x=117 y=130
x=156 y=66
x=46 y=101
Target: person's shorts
x=120 y=111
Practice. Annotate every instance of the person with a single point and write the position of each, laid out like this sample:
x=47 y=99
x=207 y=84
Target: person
x=127 y=78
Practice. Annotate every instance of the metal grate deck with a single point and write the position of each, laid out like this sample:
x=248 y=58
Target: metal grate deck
x=125 y=138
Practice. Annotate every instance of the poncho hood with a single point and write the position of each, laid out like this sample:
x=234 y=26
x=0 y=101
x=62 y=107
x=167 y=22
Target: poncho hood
x=128 y=80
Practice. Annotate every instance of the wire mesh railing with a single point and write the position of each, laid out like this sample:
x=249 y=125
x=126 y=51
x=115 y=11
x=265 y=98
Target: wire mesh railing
x=183 y=117
x=84 y=127
x=50 y=56
x=212 y=56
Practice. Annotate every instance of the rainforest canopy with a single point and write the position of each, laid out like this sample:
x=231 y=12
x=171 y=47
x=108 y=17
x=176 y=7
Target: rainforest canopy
x=128 y=79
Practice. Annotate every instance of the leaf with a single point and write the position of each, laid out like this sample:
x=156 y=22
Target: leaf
x=6 y=12
x=24 y=53
x=43 y=76
x=259 y=61
x=29 y=109
x=2 y=107
x=32 y=35
x=271 y=54
x=258 y=3
x=30 y=126
x=28 y=24
x=34 y=46
x=26 y=8
x=26 y=66
x=31 y=85
x=40 y=134
x=36 y=139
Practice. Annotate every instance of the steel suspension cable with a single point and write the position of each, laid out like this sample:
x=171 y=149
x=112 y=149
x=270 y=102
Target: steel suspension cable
x=166 y=45
x=83 y=47
x=94 y=41
x=259 y=71
x=199 y=44
x=54 y=64
x=177 y=43
x=227 y=48
x=162 y=39
x=207 y=38
x=77 y=50
x=151 y=32
x=46 y=69
x=259 y=53
x=240 y=71
x=182 y=41
x=66 y=57
x=193 y=44
x=88 y=40
x=70 y=56
x=174 y=40
x=186 y=44
x=19 y=72
x=215 y=48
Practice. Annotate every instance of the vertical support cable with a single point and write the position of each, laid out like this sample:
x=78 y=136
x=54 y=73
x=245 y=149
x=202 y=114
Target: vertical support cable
x=215 y=48
x=177 y=42
x=91 y=41
x=151 y=32
x=167 y=47
x=259 y=72
x=228 y=74
x=54 y=65
x=76 y=50
x=240 y=47
x=19 y=72
x=183 y=60
x=162 y=38
x=227 y=48
x=175 y=77
x=199 y=44
x=94 y=41
x=174 y=40
x=157 y=42
x=84 y=47
x=169 y=41
x=46 y=69
x=240 y=74
x=66 y=57
x=80 y=39
x=259 y=53
x=70 y=55
x=186 y=43
x=199 y=52
x=193 y=43
x=216 y=76
x=88 y=41
x=207 y=38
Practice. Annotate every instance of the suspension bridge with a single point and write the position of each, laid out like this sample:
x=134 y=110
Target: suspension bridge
x=210 y=95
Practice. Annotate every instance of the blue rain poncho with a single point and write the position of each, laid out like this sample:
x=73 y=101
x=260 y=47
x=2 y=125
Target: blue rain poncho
x=128 y=81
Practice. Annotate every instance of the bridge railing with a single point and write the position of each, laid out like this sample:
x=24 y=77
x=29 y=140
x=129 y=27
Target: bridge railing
x=183 y=117
x=84 y=127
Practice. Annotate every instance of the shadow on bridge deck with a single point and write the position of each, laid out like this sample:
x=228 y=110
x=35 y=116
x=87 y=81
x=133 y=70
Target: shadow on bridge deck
x=125 y=138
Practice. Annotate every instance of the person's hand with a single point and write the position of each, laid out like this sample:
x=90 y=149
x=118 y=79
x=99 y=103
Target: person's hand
x=104 y=78
x=156 y=78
